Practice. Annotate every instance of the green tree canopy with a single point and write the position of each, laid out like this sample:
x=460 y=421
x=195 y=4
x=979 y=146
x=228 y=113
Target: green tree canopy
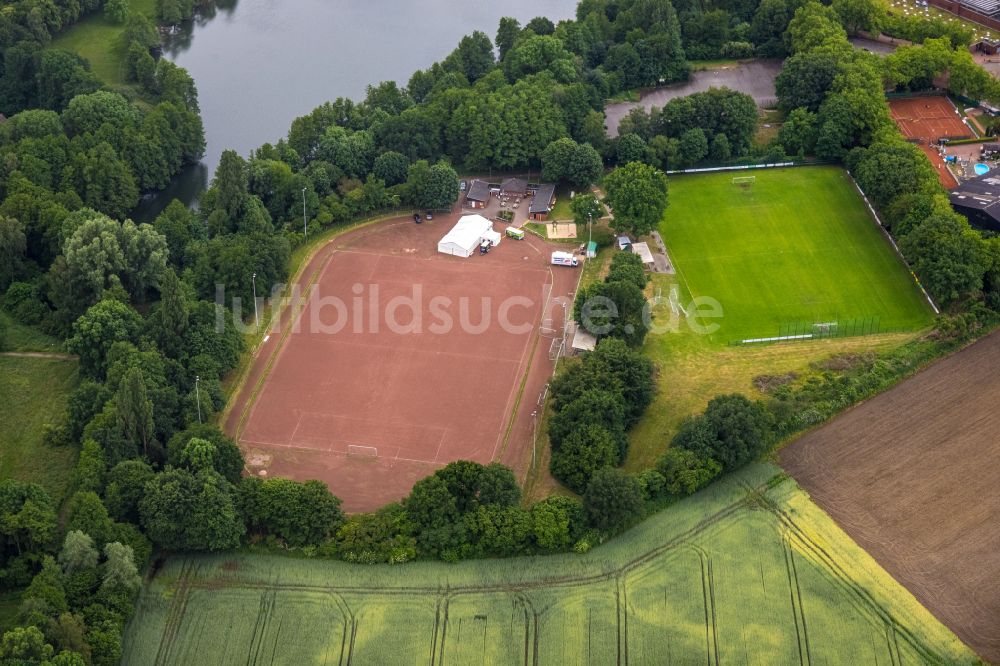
x=104 y=324
x=186 y=511
x=567 y=161
x=637 y=196
x=613 y=499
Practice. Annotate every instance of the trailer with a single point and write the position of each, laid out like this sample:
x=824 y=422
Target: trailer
x=515 y=233
x=564 y=259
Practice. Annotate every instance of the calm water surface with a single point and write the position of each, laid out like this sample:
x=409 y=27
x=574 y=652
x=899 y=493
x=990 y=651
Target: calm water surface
x=259 y=64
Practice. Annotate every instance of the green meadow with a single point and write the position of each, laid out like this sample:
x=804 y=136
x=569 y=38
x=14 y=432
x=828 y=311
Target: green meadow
x=34 y=393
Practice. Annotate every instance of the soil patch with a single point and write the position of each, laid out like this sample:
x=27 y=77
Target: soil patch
x=431 y=358
x=910 y=475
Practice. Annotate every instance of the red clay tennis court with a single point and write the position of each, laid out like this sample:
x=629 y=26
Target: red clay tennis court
x=396 y=392
x=924 y=120
x=928 y=118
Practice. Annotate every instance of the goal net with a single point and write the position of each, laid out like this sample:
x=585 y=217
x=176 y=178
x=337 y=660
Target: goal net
x=364 y=451
x=744 y=181
x=556 y=349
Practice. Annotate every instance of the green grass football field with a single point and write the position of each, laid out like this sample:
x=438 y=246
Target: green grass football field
x=797 y=246
x=748 y=571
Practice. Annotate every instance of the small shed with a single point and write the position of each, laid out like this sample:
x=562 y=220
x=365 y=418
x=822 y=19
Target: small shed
x=464 y=238
x=583 y=340
x=642 y=249
x=541 y=203
x=479 y=194
x=517 y=187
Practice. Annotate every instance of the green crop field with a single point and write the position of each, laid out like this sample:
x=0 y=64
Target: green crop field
x=35 y=392
x=748 y=571
x=797 y=246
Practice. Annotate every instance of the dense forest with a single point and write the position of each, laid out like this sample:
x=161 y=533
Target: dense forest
x=136 y=303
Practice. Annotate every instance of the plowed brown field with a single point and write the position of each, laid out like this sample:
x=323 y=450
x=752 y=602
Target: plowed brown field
x=911 y=475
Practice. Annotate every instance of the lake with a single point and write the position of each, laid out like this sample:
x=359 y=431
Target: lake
x=259 y=64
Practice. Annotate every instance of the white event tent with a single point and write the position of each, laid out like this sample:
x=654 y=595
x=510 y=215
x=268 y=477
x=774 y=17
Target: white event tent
x=465 y=237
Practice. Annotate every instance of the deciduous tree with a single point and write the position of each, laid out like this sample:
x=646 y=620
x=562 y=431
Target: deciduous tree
x=637 y=195
x=613 y=499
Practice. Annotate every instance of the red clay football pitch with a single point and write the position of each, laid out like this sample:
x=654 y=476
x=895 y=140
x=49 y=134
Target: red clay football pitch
x=401 y=360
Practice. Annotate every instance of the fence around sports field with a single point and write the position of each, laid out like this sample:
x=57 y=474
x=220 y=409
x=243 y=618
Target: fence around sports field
x=821 y=330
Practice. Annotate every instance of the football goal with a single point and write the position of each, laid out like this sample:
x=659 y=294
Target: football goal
x=744 y=181
x=364 y=451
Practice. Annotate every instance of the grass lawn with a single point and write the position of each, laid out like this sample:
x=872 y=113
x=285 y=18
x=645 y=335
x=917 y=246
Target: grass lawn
x=797 y=246
x=747 y=571
x=34 y=393
x=768 y=126
x=691 y=370
x=561 y=212
x=99 y=41
x=21 y=338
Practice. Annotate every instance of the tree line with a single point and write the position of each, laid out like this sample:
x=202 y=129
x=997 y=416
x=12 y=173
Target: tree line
x=832 y=94
x=135 y=301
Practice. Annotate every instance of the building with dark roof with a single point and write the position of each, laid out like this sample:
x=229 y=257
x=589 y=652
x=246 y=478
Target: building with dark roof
x=989 y=150
x=514 y=186
x=479 y=194
x=984 y=12
x=541 y=203
x=979 y=200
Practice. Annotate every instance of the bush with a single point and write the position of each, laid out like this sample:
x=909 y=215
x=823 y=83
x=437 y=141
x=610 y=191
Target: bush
x=684 y=472
x=627 y=267
x=737 y=50
x=556 y=522
x=582 y=452
x=613 y=499
x=651 y=482
x=383 y=536
x=23 y=302
x=732 y=430
x=227 y=459
x=117 y=11
x=301 y=514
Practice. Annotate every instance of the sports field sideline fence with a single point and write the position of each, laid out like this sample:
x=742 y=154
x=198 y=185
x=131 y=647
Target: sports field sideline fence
x=812 y=330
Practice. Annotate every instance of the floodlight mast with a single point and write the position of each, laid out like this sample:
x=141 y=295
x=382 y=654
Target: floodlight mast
x=305 y=230
x=256 y=319
x=197 y=395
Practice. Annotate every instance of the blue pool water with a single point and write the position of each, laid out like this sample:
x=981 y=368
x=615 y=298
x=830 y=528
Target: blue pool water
x=981 y=169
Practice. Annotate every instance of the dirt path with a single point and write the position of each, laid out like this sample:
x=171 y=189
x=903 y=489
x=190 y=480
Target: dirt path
x=911 y=476
x=51 y=355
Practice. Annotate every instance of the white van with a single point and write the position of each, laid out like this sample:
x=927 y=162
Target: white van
x=564 y=259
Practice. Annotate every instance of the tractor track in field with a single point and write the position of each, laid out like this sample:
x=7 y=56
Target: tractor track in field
x=909 y=475
x=796 y=543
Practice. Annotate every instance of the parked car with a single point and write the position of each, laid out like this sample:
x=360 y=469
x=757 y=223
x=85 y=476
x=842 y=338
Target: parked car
x=463 y=185
x=416 y=218
x=430 y=215
x=485 y=246
x=625 y=243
